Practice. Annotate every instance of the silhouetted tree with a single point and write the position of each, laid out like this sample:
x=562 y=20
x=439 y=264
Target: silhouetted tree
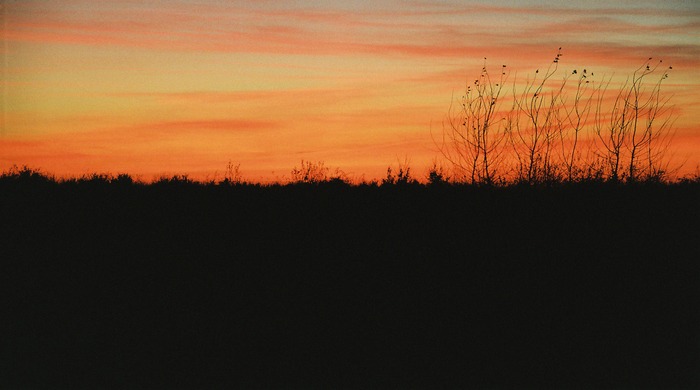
x=542 y=134
x=533 y=125
x=474 y=132
x=572 y=119
x=636 y=130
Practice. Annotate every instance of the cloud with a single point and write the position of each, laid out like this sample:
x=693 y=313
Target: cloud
x=581 y=9
x=212 y=27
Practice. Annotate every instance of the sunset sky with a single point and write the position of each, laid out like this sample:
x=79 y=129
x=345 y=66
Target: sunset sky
x=165 y=87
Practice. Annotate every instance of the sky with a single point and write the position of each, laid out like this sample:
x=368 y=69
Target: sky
x=161 y=87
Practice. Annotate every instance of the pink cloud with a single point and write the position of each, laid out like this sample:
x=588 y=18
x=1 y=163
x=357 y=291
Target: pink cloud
x=430 y=8
x=217 y=28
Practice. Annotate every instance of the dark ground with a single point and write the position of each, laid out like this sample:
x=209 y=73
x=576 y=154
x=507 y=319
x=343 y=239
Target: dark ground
x=193 y=286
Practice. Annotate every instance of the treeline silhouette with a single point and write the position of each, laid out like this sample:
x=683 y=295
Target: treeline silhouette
x=112 y=283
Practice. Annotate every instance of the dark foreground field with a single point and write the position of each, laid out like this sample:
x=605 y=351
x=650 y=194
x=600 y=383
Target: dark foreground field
x=192 y=286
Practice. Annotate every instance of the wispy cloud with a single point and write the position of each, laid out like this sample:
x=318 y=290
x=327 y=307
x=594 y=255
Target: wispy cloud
x=211 y=28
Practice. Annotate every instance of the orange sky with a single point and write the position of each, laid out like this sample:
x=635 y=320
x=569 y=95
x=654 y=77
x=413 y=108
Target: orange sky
x=165 y=87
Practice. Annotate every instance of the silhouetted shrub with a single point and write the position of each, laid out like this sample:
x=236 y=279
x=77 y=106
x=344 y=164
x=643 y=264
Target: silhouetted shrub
x=123 y=179
x=233 y=175
x=309 y=172
x=95 y=179
x=26 y=175
x=437 y=175
x=402 y=176
x=175 y=180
